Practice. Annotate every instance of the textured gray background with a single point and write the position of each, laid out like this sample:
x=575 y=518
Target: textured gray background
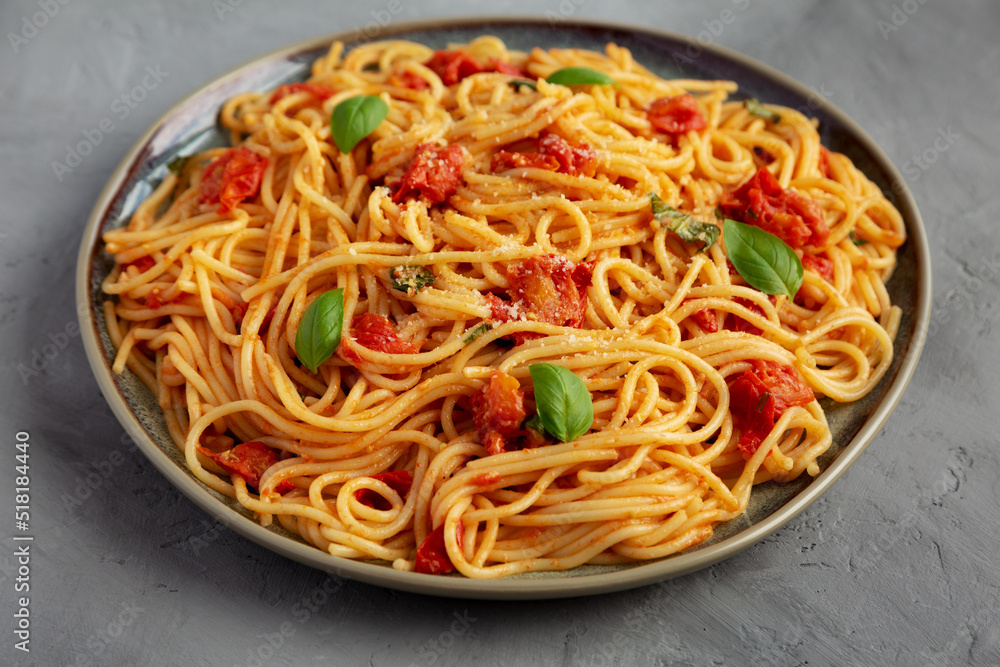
x=897 y=564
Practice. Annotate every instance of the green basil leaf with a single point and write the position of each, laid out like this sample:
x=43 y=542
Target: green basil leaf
x=764 y=260
x=476 y=332
x=517 y=83
x=178 y=163
x=355 y=118
x=757 y=108
x=537 y=435
x=406 y=278
x=564 y=405
x=688 y=228
x=320 y=329
x=580 y=76
x=534 y=422
x=855 y=240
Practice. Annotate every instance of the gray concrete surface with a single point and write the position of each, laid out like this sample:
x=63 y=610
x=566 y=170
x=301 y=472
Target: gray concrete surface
x=896 y=565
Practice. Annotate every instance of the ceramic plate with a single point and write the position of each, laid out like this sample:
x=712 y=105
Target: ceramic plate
x=191 y=126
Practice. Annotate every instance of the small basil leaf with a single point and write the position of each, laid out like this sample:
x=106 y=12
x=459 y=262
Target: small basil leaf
x=580 y=76
x=764 y=260
x=564 y=405
x=757 y=108
x=688 y=228
x=178 y=163
x=476 y=332
x=320 y=329
x=537 y=435
x=407 y=278
x=355 y=118
x=534 y=422
x=517 y=83
x=855 y=240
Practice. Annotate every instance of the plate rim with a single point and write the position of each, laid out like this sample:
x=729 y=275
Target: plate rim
x=504 y=588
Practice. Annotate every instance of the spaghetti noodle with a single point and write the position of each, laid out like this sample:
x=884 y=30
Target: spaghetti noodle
x=495 y=220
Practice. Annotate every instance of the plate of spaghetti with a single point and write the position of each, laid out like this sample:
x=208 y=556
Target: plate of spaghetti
x=503 y=310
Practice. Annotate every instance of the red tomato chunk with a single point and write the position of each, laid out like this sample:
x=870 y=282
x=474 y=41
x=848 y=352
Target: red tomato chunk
x=453 y=66
x=737 y=323
x=762 y=155
x=376 y=333
x=554 y=154
x=233 y=177
x=819 y=264
x=249 y=460
x=432 y=554
x=407 y=79
x=504 y=160
x=762 y=202
x=824 y=161
x=154 y=299
x=760 y=396
x=239 y=311
x=142 y=264
x=319 y=91
x=507 y=68
x=548 y=288
x=497 y=411
x=676 y=115
x=399 y=481
x=434 y=174
x=705 y=318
